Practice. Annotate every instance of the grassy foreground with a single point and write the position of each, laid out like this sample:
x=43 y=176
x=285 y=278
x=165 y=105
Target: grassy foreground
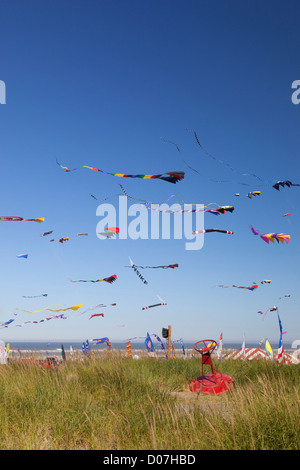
x=116 y=403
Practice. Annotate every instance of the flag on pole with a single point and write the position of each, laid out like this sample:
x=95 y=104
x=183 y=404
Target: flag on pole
x=148 y=343
x=128 y=349
x=280 y=345
x=86 y=348
x=219 y=351
x=63 y=355
x=268 y=348
x=243 y=348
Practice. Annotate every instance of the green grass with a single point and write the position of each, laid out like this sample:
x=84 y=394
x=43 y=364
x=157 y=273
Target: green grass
x=116 y=403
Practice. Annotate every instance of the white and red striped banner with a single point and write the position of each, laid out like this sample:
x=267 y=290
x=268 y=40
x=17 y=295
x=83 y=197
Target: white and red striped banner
x=249 y=354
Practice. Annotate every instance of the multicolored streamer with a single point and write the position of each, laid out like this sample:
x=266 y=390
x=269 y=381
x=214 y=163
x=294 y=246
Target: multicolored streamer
x=252 y=288
x=171 y=177
x=109 y=279
x=20 y=219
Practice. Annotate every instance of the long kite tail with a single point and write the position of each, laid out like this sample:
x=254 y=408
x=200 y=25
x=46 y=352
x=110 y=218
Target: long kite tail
x=73 y=307
x=109 y=279
x=171 y=266
x=170 y=176
x=229 y=232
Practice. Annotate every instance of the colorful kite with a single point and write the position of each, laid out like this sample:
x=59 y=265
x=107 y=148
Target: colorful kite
x=19 y=219
x=220 y=210
x=254 y=231
x=254 y=193
x=288 y=213
x=102 y=340
x=110 y=279
x=284 y=183
x=266 y=282
x=212 y=230
x=110 y=232
x=171 y=177
x=97 y=315
x=64 y=239
x=6 y=323
x=273 y=309
x=270 y=237
x=73 y=307
x=279 y=237
x=254 y=286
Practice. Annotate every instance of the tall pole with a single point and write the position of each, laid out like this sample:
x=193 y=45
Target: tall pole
x=169 y=342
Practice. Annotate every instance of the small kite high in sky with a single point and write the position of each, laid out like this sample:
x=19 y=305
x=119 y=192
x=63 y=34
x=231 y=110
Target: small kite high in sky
x=220 y=210
x=109 y=279
x=6 y=323
x=46 y=233
x=22 y=256
x=33 y=296
x=209 y=230
x=110 y=232
x=63 y=239
x=284 y=183
x=252 y=288
x=155 y=305
x=254 y=231
x=272 y=309
x=171 y=177
x=20 y=219
x=97 y=315
x=253 y=193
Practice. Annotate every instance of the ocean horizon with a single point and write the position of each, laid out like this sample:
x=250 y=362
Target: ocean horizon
x=77 y=345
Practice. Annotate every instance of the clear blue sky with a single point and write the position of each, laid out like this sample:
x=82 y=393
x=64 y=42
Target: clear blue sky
x=99 y=84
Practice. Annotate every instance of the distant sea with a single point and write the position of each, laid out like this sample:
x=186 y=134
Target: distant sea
x=54 y=346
